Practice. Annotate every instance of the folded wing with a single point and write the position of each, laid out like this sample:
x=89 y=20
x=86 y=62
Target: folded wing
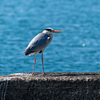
x=37 y=44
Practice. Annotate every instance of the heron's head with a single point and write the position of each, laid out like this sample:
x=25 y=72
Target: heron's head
x=50 y=31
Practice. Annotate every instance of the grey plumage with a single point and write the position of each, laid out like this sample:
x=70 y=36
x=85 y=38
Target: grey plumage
x=39 y=43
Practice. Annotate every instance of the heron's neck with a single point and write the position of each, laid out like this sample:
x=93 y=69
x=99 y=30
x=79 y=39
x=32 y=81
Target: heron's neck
x=50 y=35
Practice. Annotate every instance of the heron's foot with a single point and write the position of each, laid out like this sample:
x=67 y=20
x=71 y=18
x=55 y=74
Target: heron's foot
x=44 y=74
x=33 y=73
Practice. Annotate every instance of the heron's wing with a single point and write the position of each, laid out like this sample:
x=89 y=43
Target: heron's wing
x=38 y=43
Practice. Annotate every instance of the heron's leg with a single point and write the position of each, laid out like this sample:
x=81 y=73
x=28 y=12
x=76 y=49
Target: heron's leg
x=42 y=63
x=34 y=64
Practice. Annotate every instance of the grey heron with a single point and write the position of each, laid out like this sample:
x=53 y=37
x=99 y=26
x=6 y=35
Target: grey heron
x=39 y=43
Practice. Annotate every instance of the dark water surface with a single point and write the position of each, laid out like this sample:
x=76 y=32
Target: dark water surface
x=76 y=49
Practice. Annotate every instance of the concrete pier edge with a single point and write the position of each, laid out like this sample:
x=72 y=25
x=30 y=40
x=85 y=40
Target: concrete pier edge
x=52 y=86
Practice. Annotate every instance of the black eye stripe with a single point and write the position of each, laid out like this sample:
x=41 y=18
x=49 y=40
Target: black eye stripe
x=49 y=30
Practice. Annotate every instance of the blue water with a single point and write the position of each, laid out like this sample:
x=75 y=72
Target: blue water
x=76 y=49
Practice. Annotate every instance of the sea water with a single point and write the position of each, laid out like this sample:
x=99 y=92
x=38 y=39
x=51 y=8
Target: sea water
x=76 y=49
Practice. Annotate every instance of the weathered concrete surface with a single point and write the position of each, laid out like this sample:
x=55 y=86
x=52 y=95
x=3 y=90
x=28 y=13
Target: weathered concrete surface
x=52 y=86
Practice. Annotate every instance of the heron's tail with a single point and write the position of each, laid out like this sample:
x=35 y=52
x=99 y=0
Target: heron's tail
x=25 y=52
x=28 y=51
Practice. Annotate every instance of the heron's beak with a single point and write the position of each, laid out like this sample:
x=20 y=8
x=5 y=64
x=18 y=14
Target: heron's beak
x=55 y=31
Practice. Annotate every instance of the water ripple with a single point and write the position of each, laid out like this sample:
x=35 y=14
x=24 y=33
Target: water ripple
x=76 y=49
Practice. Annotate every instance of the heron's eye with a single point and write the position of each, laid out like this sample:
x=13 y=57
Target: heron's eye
x=49 y=30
